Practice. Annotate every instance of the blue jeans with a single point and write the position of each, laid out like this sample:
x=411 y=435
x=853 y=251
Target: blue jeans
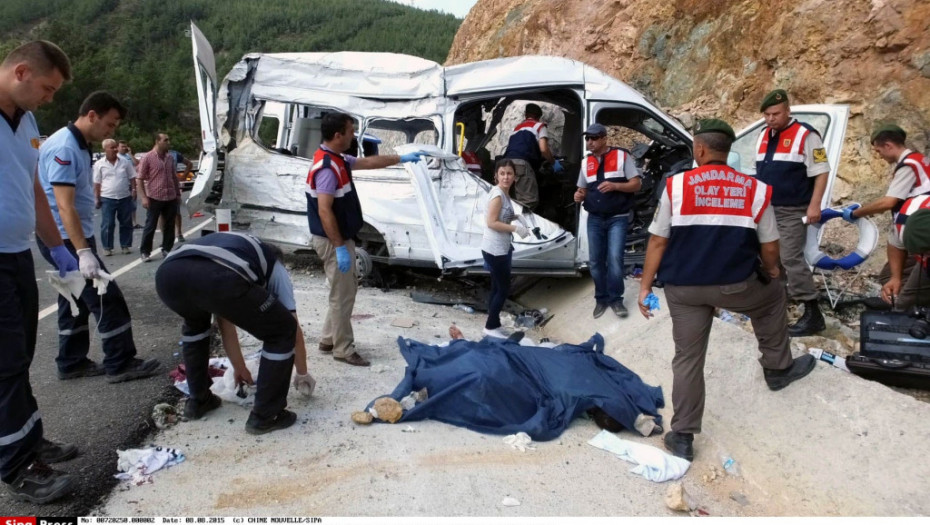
x=606 y=240
x=112 y=210
x=499 y=266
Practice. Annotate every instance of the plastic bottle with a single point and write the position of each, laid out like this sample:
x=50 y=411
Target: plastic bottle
x=835 y=360
x=464 y=307
x=729 y=464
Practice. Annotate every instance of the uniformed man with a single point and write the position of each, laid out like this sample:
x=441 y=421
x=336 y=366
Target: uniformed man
x=702 y=210
x=67 y=179
x=242 y=281
x=527 y=147
x=606 y=185
x=910 y=177
x=792 y=160
x=910 y=236
x=29 y=77
x=334 y=214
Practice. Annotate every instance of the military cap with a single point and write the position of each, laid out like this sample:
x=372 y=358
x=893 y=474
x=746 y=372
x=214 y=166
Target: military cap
x=893 y=128
x=917 y=232
x=714 y=125
x=775 y=97
x=595 y=130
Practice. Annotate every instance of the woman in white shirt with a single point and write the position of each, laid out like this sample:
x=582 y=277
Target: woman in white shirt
x=496 y=245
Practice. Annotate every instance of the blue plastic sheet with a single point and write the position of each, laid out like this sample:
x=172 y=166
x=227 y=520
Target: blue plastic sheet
x=499 y=387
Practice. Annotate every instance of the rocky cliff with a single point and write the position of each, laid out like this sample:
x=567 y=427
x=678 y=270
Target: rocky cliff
x=700 y=58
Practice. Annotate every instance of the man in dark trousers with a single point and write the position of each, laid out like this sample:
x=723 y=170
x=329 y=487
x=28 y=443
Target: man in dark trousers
x=66 y=176
x=239 y=279
x=29 y=77
x=157 y=185
x=702 y=210
x=527 y=147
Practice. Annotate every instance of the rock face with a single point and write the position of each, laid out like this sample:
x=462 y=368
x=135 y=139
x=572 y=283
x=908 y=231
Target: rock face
x=698 y=58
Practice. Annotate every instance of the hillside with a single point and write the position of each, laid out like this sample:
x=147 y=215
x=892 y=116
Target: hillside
x=720 y=58
x=140 y=50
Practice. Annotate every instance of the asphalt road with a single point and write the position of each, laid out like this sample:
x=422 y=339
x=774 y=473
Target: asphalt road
x=94 y=415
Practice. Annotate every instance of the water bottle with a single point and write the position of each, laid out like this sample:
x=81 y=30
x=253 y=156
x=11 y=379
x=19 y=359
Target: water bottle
x=729 y=464
x=464 y=307
x=823 y=355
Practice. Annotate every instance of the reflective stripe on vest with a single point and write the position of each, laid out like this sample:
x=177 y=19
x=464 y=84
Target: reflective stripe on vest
x=921 y=167
x=910 y=206
x=613 y=166
x=533 y=126
x=325 y=159
x=790 y=147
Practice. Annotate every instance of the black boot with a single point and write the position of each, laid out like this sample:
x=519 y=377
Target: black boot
x=810 y=323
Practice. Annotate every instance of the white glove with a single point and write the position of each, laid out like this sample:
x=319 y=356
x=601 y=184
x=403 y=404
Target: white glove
x=521 y=230
x=88 y=263
x=305 y=384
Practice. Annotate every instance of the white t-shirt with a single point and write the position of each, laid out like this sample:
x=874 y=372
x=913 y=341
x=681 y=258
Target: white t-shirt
x=114 y=178
x=493 y=241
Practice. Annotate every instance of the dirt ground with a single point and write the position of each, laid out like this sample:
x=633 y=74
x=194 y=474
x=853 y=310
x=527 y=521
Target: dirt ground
x=832 y=444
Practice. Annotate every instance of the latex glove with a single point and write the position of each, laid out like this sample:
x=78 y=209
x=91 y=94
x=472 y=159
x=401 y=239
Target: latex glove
x=343 y=259
x=652 y=302
x=521 y=230
x=557 y=166
x=304 y=384
x=411 y=157
x=847 y=213
x=63 y=259
x=89 y=265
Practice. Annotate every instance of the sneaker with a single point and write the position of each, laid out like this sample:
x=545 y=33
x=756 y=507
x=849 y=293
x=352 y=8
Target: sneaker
x=353 y=359
x=108 y=252
x=51 y=452
x=495 y=332
x=87 y=368
x=127 y=249
x=136 y=226
x=163 y=253
x=284 y=419
x=194 y=409
x=599 y=309
x=39 y=483
x=800 y=367
x=146 y=257
x=136 y=369
x=680 y=444
x=180 y=238
x=620 y=310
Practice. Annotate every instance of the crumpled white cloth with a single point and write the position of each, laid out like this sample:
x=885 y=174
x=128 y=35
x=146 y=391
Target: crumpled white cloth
x=651 y=463
x=72 y=284
x=138 y=464
x=226 y=388
x=520 y=441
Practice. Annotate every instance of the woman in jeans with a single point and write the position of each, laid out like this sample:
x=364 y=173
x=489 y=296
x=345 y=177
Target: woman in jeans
x=495 y=245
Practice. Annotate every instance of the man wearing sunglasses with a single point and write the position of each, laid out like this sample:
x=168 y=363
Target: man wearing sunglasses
x=606 y=186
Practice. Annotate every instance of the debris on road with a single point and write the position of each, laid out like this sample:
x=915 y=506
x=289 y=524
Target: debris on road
x=676 y=498
x=165 y=415
x=740 y=498
x=137 y=465
x=520 y=441
x=387 y=409
x=404 y=322
x=362 y=417
x=510 y=502
x=651 y=463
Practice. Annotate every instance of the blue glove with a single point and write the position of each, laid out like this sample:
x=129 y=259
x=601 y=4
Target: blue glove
x=557 y=166
x=847 y=213
x=411 y=157
x=63 y=259
x=652 y=302
x=343 y=259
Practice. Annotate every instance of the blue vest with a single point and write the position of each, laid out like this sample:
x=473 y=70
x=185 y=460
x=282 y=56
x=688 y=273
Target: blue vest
x=524 y=143
x=244 y=254
x=611 y=169
x=713 y=239
x=346 y=206
x=780 y=163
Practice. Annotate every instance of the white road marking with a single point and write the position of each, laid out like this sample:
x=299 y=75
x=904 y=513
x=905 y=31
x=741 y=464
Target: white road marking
x=48 y=310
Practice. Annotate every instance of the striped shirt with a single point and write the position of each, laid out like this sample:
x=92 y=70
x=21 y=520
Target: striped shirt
x=159 y=174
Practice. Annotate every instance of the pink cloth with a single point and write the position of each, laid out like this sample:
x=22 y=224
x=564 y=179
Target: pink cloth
x=159 y=174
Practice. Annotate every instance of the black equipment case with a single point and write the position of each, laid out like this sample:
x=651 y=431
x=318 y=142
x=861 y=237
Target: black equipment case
x=889 y=353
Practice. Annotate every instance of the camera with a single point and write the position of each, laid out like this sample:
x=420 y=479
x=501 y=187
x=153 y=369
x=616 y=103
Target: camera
x=921 y=327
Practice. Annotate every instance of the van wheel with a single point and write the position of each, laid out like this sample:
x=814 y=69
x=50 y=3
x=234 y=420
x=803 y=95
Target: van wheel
x=363 y=263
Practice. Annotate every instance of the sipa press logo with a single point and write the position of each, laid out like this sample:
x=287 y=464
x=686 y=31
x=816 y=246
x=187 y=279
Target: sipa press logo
x=17 y=520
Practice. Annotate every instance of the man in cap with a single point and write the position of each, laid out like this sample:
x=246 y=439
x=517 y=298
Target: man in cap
x=700 y=211
x=791 y=159
x=910 y=177
x=527 y=147
x=910 y=236
x=606 y=185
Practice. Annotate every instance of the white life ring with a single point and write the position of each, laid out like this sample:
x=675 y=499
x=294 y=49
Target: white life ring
x=868 y=239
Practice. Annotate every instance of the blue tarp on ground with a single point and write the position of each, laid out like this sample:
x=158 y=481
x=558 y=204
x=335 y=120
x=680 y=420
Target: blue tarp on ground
x=500 y=387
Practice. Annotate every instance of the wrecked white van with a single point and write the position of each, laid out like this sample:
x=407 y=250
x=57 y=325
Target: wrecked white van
x=263 y=122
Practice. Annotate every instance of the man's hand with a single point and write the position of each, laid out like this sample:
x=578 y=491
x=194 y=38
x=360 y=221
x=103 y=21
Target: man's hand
x=774 y=272
x=90 y=267
x=98 y=204
x=813 y=213
x=606 y=187
x=579 y=195
x=641 y=303
x=412 y=157
x=63 y=259
x=521 y=230
x=242 y=375
x=145 y=202
x=848 y=213
x=304 y=384
x=893 y=288
x=343 y=258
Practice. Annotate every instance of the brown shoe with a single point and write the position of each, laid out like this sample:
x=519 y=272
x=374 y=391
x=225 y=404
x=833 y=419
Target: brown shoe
x=325 y=348
x=353 y=359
